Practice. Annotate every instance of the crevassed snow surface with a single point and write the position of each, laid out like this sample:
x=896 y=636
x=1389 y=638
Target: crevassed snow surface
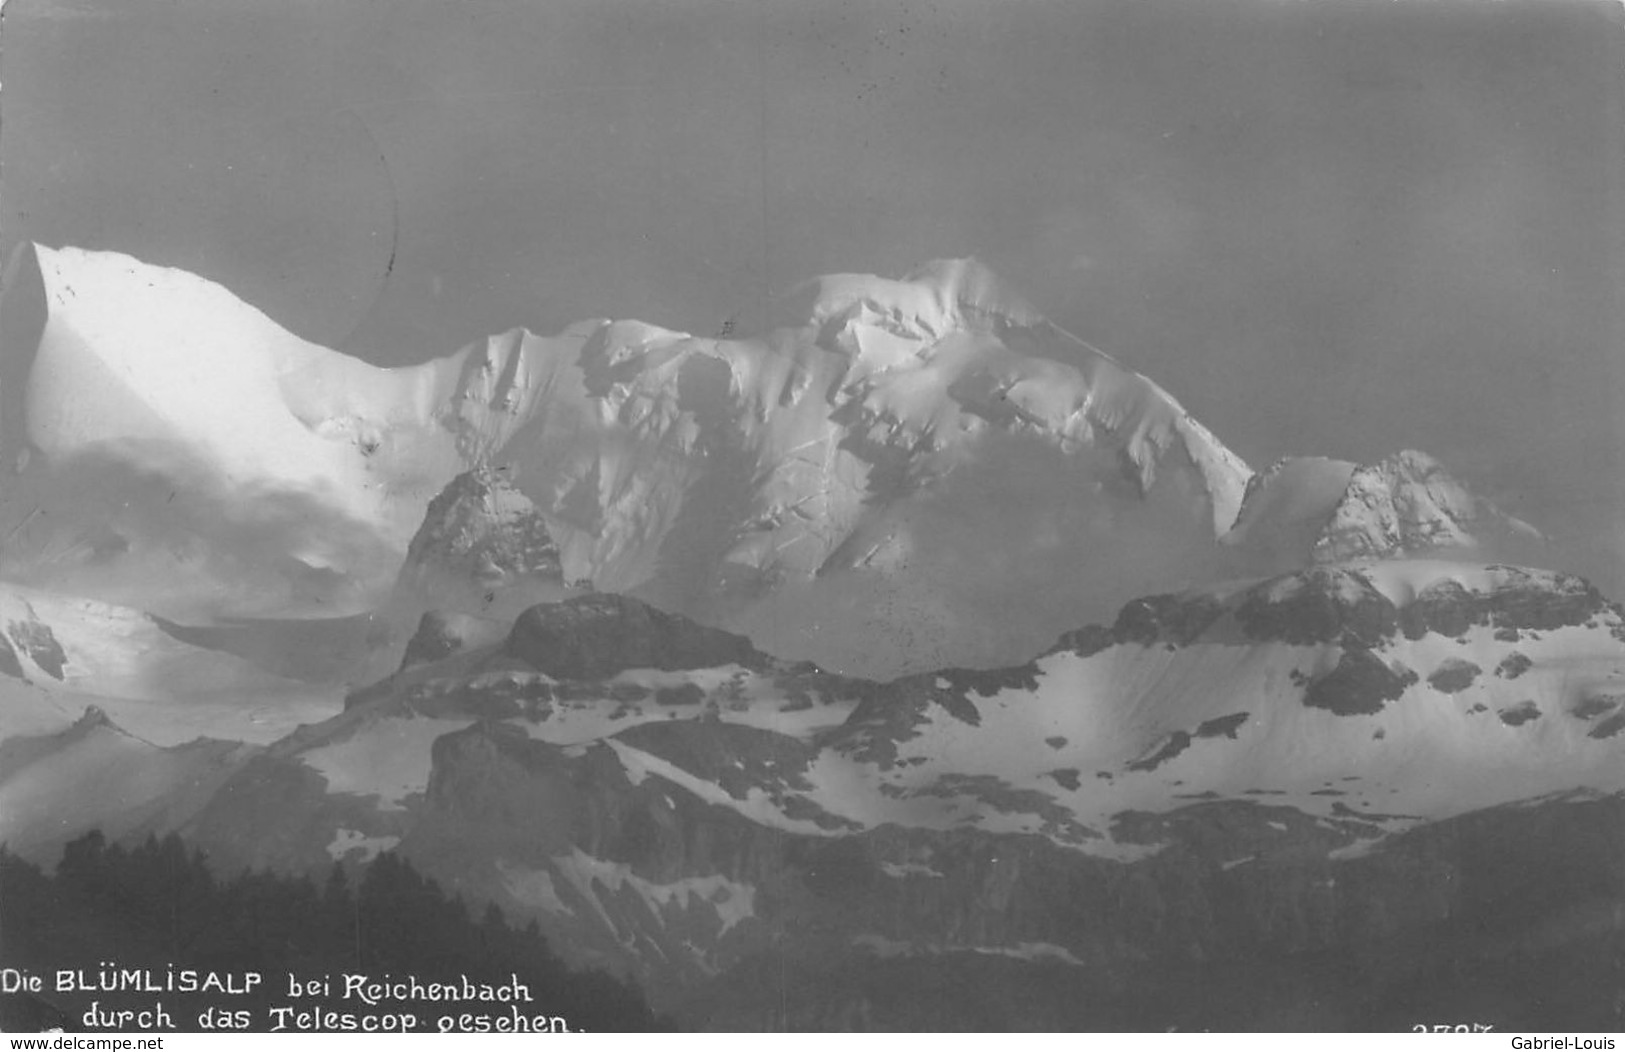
x=901 y=433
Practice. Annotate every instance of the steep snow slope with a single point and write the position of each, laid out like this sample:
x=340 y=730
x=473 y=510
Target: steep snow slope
x=1399 y=692
x=636 y=781
x=1316 y=690
x=61 y=654
x=161 y=364
x=884 y=483
x=1287 y=508
x=1315 y=509
x=179 y=450
x=919 y=468
x=1408 y=504
x=95 y=775
x=918 y=476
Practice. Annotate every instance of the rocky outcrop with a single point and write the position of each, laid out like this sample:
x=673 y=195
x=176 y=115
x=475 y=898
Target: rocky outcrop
x=481 y=527
x=696 y=898
x=435 y=639
x=1360 y=685
x=1519 y=601
x=484 y=548
x=34 y=638
x=595 y=636
x=1409 y=505
x=820 y=487
x=1453 y=676
x=1320 y=605
x=1304 y=510
x=1110 y=818
x=9 y=663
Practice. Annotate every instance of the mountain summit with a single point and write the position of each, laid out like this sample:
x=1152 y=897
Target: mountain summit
x=882 y=458
x=752 y=668
x=910 y=473
x=1318 y=510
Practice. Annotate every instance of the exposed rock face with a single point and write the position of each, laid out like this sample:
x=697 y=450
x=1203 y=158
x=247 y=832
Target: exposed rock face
x=1326 y=603
x=1513 y=665
x=830 y=488
x=9 y=663
x=1408 y=505
x=1453 y=676
x=734 y=925
x=1299 y=801
x=1520 y=713
x=1361 y=685
x=597 y=636
x=483 y=555
x=1521 y=601
x=436 y=638
x=29 y=649
x=1109 y=819
x=482 y=526
x=1314 y=509
x=34 y=638
x=484 y=548
x=1318 y=606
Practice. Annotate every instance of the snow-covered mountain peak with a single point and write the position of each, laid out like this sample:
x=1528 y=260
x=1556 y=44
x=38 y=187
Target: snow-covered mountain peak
x=879 y=445
x=632 y=545
x=196 y=434
x=951 y=333
x=875 y=452
x=482 y=519
x=1312 y=716
x=1408 y=503
x=1317 y=509
x=936 y=297
x=484 y=548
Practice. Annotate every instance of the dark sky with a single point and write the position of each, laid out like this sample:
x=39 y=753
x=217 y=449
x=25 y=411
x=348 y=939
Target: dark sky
x=1337 y=227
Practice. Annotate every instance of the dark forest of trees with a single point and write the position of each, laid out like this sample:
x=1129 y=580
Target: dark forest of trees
x=157 y=906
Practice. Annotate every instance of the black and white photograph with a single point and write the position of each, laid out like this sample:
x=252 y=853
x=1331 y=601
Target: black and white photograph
x=538 y=516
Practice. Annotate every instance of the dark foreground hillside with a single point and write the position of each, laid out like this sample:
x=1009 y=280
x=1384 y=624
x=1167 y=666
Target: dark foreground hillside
x=1511 y=918
x=154 y=923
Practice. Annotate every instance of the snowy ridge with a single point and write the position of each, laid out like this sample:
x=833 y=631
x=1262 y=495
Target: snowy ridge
x=859 y=458
x=66 y=653
x=1288 y=505
x=778 y=484
x=1386 y=696
x=484 y=550
x=1316 y=509
x=652 y=804
x=163 y=364
x=1408 y=504
x=136 y=352
x=1030 y=379
x=714 y=640
x=887 y=389
x=95 y=774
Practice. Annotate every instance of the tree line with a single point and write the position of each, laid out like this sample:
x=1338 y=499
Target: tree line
x=158 y=906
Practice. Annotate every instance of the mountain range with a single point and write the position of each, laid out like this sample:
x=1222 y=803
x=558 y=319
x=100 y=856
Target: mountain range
x=912 y=663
